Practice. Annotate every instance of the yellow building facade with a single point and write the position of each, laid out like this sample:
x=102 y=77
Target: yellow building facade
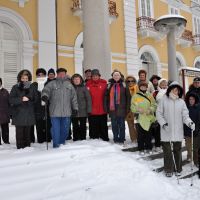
x=49 y=34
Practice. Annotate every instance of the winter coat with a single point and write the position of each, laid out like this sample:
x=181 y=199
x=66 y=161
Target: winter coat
x=4 y=106
x=97 y=91
x=160 y=94
x=62 y=98
x=175 y=114
x=122 y=109
x=138 y=102
x=23 y=112
x=194 y=113
x=39 y=108
x=84 y=101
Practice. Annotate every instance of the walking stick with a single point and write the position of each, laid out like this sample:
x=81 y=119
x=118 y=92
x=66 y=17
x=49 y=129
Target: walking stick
x=46 y=123
x=0 y=134
x=173 y=157
x=192 y=155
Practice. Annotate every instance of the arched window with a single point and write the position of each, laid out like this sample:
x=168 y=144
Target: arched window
x=197 y=65
x=9 y=55
x=148 y=64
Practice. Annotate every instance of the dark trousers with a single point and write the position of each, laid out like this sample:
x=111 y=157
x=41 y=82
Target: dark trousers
x=168 y=158
x=98 y=127
x=118 y=128
x=32 y=134
x=5 y=133
x=156 y=134
x=79 y=128
x=41 y=131
x=23 y=136
x=144 y=138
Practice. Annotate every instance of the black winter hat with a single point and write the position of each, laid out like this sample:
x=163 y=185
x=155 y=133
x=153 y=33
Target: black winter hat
x=173 y=85
x=22 y=73
x=196 y=79
x=41 y=70
x=154 y=77
x=51 y=71
x=95 y=72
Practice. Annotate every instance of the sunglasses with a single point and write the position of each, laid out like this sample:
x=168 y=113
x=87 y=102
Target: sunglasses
x=131 y=81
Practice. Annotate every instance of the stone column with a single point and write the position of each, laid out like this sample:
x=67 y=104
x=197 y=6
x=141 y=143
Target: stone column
x=171 y=48
x=96 y=36
x=46 y=34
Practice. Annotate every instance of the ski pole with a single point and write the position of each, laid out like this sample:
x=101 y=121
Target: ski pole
x=174 y=160
x=192 y=154
x=46 y=124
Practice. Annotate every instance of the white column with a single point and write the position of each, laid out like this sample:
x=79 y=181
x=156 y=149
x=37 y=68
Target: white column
x=131 y=44
x=96 y=36
x=47 y=34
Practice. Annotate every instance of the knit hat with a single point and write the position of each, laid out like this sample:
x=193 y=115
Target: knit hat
x=154 y=77
x=161 y=80
x=51 y=71
x=41 y=70
x=95 y=72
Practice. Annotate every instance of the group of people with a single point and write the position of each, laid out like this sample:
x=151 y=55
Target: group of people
x=153 y=108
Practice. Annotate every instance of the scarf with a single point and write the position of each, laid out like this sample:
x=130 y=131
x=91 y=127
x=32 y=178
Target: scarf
x=114 y=96
x=132 y=89
x=173 y=96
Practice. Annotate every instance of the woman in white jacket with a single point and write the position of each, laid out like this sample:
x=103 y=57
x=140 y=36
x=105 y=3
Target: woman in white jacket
x=171 y=114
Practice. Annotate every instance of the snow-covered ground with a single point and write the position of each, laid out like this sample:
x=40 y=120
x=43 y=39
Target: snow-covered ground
x=86 y=170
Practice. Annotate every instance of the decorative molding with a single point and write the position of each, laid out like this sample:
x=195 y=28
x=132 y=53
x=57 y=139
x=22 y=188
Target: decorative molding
x=24 y=35
x=21 y=2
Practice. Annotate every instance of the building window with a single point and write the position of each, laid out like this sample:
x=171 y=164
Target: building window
x=146 y=8
x=173 y=10
x=9 y=55
x=196 y=25
x=197 y=65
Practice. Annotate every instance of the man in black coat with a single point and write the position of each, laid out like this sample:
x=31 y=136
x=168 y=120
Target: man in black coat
x=4 y=114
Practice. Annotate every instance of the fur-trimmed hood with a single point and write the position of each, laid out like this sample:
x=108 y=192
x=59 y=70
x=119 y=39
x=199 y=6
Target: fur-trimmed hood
x=173 y=85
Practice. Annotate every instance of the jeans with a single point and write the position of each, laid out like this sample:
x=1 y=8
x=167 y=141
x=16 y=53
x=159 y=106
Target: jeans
x=118 y=128
x=59 y=130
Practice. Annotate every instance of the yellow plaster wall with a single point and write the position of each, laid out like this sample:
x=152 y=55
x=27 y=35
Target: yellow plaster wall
x=121 y=67
x=69 y=26
x=67 y=63
x=29 y=13
x=117 y=35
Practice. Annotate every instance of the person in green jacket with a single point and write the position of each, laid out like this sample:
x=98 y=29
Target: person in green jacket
x=144 y=106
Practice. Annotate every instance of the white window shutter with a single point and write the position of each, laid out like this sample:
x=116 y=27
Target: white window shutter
x=9 y=52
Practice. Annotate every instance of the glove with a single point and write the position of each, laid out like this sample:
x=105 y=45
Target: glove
x=74 y=113
x=192 y=125
x=45 y=98
x=166 y=127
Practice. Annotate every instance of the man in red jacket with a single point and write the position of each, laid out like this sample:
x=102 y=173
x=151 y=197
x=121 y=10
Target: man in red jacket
x=98 y=117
